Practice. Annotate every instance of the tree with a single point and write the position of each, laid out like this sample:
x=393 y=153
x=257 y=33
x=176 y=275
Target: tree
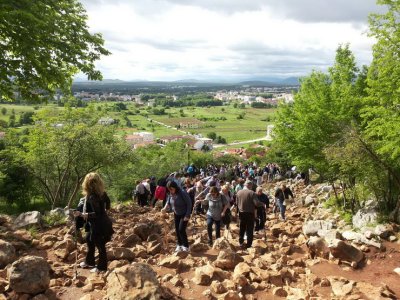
x=381 y=119
x=43 y=44
x=26 y=118
x=62 y=149
x=212 y=135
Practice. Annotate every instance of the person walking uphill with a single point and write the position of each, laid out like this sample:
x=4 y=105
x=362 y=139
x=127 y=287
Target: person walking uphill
x=282 y=196
x=246 y=201
x=180 y=203
x=92 y=208
x=217 y=206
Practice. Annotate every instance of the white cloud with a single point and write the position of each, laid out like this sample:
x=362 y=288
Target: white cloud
x=170 y=40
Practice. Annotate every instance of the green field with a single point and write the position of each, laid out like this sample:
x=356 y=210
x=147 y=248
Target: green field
x=223 y=120
x=252 y=126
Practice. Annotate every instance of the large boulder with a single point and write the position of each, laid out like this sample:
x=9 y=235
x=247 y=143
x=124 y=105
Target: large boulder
x=343 y=251
x=133 y=282
x=30 y=275
x=360 y=238
x=341 y=286
x=310 y=200
x=121 y=253
x=7 y=253
x=144 y=230
x=312 y=227
x=131 y=240
x=365 y=217
x=384 y=231
x=317 y=247
x=222 y=244
x=227 y=259
x=28 y=218
x=203 y=275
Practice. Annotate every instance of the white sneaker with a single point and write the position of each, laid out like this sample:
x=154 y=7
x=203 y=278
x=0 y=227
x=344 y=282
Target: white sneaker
x=85 y=265
x=185 y=249
x=178 y=248
x=94 y=270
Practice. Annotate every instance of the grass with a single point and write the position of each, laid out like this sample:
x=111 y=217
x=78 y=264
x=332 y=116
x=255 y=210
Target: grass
x=54 y=219
x=252 y=126
x=223 y=120
x=14 y=209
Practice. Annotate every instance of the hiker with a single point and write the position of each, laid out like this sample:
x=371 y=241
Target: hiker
x=281 y=198
x=217 y=206
x=141 y=193
x=153 y=186
x=227 y=218
x=194 y=193
x=246 y=201
x=179 y=202
x=92 y=208
x=240 y=185
x=262 y=209
x=160 y=194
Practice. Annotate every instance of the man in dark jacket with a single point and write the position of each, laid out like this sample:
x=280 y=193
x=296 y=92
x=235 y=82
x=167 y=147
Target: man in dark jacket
x=262 y=207
x=246 y=202
x=282 y=195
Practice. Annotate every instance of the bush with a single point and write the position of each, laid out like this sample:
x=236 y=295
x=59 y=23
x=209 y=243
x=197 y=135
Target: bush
x=54 y=219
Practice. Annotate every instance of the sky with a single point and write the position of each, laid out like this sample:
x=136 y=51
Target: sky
x=227 y=40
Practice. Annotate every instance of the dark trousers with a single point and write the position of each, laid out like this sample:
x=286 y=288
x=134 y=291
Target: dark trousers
x=210 y=222
x=99 y=243
x=142 y=200
x=246 y=225
x=261 y=218
x=180 y=229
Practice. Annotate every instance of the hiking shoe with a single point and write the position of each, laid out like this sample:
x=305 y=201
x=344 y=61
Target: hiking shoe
x=178 y=248
x=97 y=270
x=185 y=249
x=84 y=265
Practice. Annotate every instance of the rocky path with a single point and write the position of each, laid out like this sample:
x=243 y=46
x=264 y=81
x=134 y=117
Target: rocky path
x=305 y=257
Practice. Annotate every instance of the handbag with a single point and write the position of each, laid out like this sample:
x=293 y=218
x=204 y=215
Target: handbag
x=108 y=228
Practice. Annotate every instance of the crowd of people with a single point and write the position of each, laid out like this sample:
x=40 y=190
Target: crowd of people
x=218 y=192
x=210 y=192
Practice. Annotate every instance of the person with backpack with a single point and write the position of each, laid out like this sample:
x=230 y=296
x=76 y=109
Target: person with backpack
x=217 y=206
x=179 y=202
x=92 y=211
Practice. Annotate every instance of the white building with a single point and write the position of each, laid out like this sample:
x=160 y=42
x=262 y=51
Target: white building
x=147 y=136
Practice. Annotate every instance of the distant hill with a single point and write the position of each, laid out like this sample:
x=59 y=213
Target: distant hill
x=257 y=83
x=290 y=81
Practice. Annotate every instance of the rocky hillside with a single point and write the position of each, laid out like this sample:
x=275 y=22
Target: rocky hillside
x=313 y=255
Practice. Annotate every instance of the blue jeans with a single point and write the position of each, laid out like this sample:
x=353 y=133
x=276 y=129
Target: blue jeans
x=210 y=222
x=282 y=209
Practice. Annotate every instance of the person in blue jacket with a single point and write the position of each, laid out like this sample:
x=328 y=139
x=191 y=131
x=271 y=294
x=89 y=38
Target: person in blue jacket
x=179 y=202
